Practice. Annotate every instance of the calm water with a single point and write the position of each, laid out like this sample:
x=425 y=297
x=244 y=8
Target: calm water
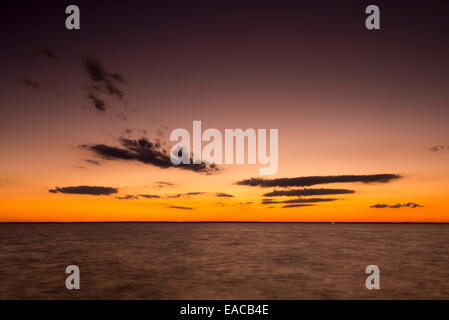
x=224 y=261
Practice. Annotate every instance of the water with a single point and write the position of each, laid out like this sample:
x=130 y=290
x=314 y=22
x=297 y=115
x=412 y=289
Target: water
x=224 y=261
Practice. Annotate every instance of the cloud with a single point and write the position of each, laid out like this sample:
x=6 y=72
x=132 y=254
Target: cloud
x=297 y=205
x=48 y=53
x=180 y=207
x=379 y=206
x=397 y=206
x=121 y=115
x=307 y=192
x=313 y=180
x=146 y=152
x=105 y=81
x=224 y=195
x=128 y=197
x=438 y=147
x=173 y=196
x=90 y=190
x=162 y=184
x=310 y=200
x=179 y=195
x=98 y=103
x=138 y=196
x=149 y=196
x=33 y=84
x=95 y=162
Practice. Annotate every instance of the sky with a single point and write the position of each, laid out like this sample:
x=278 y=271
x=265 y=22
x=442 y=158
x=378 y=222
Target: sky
x=362 y=114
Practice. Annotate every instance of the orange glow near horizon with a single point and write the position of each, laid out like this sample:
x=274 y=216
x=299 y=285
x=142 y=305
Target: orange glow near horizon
x=42 y=206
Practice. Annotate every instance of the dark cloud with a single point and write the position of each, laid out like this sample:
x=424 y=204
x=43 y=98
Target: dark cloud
x=180 y=207
x=224 y=195
x=146 y=152
x=397 y=206
x=438 y=147
x=95 y=162
x=174 y=195
x=301 y=200
x=48 y=53
x=297 y=205
x=307 y=192
x=138 y=196
x=90 y=190
x=149 y=196
x=121 y=115
x=164 y=184
x=98 y=103
x=187 y=194
x=313 y=180
x=137 y=131
x=33 y=84
x=105 y=81
x=128 y=197
x=379 y=206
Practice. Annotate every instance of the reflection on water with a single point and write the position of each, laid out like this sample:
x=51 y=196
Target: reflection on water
x=224 y=260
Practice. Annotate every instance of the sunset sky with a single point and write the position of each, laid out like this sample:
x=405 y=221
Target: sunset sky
x=346 y=101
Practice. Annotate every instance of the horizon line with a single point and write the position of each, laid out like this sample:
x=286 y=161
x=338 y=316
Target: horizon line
x=325 y=222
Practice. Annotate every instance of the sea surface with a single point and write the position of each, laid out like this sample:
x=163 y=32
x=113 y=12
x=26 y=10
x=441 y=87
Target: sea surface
x=224 y=260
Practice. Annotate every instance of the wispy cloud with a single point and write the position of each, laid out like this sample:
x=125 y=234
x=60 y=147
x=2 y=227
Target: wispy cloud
x=138 y=196
x=149 y=196
x=438 y=147
x=98 y=103
x=128 y=197
x=163 y=184
x=301 y=200
x=48 y=53
x=88 y=190
x=186 y=194
x=33 y=84
x=314 y=180
x=94 y=162
x=224 y=195
x=297 y=205
x=180 y=207
x=396 y=206
x=104 y=83
x=307 y=192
